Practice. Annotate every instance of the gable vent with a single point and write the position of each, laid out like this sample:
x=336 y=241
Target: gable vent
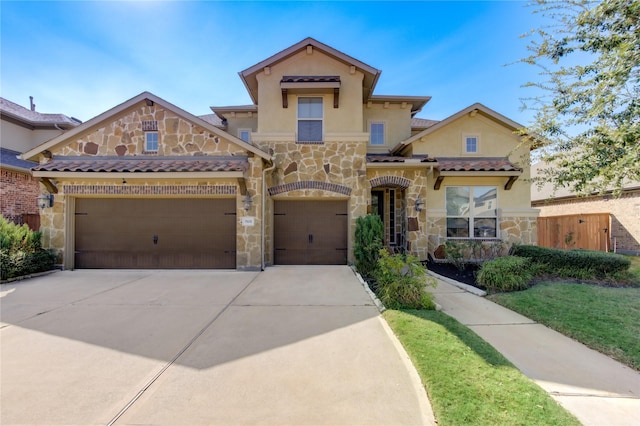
x=149 y=125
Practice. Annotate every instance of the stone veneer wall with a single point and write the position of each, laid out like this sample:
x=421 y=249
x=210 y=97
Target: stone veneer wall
x=124 y=136
x=416 y=220
x=333 y=162
x=513 y=229
x=624 y=211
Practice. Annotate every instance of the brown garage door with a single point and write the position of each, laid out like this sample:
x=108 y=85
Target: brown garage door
x=310 y=232
x=155 y=233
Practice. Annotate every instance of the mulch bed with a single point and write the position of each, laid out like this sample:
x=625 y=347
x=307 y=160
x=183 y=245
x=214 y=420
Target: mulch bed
x=466 y=276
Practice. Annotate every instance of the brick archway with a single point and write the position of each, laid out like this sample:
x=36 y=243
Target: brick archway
x=310 y=184
x=396 y=181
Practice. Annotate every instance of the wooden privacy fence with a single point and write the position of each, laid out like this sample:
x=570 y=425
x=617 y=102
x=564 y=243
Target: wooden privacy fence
x=577 y=231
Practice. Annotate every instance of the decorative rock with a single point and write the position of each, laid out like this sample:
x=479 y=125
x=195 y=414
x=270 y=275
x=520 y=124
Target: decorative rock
x=91 y=148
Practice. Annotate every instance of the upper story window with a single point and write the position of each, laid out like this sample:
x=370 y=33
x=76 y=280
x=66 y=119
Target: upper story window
x=472 y=211
x=151 y=141
x=376 y=133
x=471 y=144
x=310 y=113
x=244 y=134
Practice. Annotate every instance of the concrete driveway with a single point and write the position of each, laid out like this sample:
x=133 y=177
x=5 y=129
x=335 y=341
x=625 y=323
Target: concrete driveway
x=291 y=345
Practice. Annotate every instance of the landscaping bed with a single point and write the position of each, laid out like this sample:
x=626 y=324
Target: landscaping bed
x=466 y=275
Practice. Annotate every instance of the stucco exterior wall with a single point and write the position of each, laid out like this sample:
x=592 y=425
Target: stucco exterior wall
x=21 y=139
x=624 y=211
x=397 y=121
x=276 y=119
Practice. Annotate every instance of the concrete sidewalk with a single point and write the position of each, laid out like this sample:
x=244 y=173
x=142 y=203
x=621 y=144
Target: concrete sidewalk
x=595 y=388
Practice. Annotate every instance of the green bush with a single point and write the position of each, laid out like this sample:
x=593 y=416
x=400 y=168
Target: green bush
x=402 y=282
x=509 y=273
x=600 y=263
x=368 y=242
x=21 y=252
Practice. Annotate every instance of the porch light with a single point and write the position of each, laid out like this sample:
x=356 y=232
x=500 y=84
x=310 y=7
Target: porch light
x=45 y=201
x=247 y=200
x=419 y=203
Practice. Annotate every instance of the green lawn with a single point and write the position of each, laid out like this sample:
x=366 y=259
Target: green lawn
x=605 y=319
x=467 y=380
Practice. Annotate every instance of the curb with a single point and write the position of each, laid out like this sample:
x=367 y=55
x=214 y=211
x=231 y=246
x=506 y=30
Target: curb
x=26 y=277
x=468 y=288
x=371 y=294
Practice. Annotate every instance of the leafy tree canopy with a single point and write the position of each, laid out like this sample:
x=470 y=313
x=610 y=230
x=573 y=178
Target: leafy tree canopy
x=588 y=116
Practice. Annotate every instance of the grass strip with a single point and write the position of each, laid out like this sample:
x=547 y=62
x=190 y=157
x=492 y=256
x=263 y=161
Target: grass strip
x=603 y=318
x=467 y=380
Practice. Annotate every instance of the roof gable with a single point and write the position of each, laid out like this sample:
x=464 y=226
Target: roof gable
x=109 y=115
x=250 y=81
x=476 y=108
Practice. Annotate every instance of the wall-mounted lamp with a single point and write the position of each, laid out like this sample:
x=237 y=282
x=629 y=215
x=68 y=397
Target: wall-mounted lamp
x=124 y=181
x=45 y=201
x=419 y=203
x=248 y=201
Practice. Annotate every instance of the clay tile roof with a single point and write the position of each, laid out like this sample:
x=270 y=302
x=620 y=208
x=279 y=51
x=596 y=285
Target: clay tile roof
x=384 y=158
x=145 y=164
x=478 y=164
x=310 y=79
x=377 y=158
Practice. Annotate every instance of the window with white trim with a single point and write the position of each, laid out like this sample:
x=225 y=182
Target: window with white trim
x=472 y=211
x=471 y=144
x=376 y=133
x=310 y=113
x=244 y=134
x=151 y=141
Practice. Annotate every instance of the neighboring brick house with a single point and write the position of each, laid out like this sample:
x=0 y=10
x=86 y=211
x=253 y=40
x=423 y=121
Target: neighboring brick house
x=22 y=129
x=624 y=211
x=283 y=180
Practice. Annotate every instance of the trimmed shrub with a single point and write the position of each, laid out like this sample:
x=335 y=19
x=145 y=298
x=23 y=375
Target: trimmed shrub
x=367 y=244
x=402 y=282
x=509 y=273
x=21 y=252
x=600 y=263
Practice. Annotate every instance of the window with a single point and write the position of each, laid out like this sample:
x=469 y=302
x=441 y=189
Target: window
x=310 y=119
x=392 y=216
x=471 y=144
x=151 y=141
x=244 y=134
x=471 y=211
x=376 y=132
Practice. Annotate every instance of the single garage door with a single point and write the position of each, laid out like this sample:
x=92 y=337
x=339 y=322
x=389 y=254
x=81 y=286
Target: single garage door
x=155 y=233
x=310 y=232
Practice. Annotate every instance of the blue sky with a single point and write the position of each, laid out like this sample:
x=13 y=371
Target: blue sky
x=83 y=58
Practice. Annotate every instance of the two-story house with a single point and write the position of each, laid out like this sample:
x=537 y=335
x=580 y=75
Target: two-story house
x=283 y=180
x=22 y=129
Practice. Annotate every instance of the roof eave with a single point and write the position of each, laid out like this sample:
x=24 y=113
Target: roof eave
x=123 y=107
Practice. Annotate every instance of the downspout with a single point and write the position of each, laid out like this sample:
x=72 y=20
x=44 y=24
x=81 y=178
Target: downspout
x=264 y=200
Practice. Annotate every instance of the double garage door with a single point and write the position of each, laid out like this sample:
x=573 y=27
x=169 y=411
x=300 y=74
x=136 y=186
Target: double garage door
x=155 y=233
x=310 y=232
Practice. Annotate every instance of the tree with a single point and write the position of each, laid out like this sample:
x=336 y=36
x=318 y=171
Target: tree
x=589 y=114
